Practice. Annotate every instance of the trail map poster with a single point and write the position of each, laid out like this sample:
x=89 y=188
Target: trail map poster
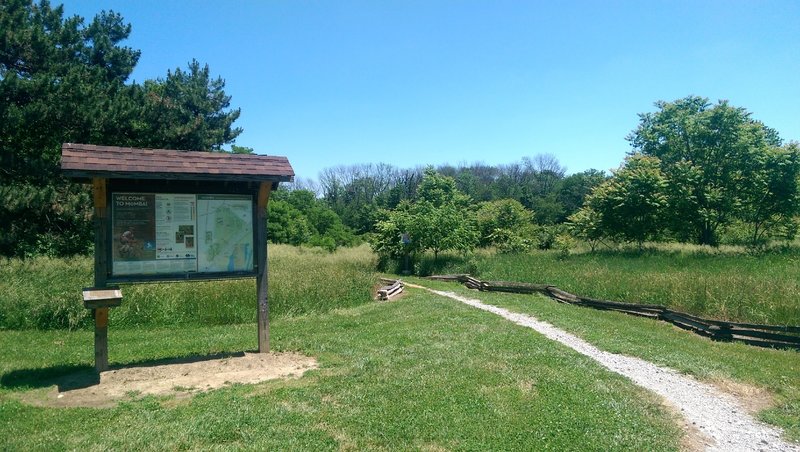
x=225 y=225
x=165 y=233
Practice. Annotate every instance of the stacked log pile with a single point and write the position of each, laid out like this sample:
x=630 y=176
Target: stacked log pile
x=393 y=288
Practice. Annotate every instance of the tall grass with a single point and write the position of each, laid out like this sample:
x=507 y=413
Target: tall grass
x=724 y=283
x=736 y=287
x=45 y=292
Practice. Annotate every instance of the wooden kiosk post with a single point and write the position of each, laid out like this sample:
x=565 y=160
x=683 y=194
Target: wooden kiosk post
x=167 y=215
x=100 y=314
x=262 y=282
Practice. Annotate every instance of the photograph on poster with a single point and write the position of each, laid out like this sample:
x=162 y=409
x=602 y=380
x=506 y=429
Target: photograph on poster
x=155 y=233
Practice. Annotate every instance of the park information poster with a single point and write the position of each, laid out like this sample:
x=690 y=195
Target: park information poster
x=165 y=233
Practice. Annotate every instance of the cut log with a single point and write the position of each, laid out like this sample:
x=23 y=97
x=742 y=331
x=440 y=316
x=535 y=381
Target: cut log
x=390 y=291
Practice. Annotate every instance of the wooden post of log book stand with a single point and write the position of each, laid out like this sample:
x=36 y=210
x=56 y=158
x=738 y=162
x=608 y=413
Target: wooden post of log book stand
x=99 y=299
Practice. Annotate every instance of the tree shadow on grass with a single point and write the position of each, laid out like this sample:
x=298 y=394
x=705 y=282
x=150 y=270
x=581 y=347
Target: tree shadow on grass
x=69 y=377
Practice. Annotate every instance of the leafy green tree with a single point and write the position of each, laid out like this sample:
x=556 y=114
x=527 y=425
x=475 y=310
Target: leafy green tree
x=438 y=220
x=188 y=110
x=441 y=216
x=631 y=205
x=387 y=240
x=442 y=228
x=439 y=190
x=573 y=190
x=770 y=196
x=62 y=80
x=287 y=224
x=505 y=223
x=297 y=217
x=586 y=224
x=241 y=150
x=548 y=210
x=707 y=146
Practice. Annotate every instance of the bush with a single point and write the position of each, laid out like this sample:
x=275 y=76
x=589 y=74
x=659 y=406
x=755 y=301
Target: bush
x=546 y=236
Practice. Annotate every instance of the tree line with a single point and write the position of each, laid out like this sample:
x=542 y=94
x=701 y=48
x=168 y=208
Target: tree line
x=697 y=171
x=65 y=80
x=361 y=196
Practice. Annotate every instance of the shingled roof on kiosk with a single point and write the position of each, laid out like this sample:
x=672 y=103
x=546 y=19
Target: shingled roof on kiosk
x=88 y=161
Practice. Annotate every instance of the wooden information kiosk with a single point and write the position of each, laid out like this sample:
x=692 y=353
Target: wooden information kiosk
x=166 y=215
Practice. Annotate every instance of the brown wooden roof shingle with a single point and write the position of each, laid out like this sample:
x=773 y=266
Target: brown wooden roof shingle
x=87 y=161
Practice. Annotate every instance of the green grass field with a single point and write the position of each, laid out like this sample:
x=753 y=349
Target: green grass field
x=771 y=373
x=422 y=373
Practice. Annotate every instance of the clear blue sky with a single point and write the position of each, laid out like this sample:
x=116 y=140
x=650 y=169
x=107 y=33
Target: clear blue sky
x=411 y=83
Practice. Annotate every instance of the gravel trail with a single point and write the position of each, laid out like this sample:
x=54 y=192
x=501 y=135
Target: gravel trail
x=717 y=415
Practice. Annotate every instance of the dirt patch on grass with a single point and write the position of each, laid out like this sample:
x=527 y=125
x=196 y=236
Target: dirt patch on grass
x=177 y=378
x=752 y=398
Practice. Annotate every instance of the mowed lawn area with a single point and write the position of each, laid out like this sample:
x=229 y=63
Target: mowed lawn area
x=422 y=372
x=769 y=379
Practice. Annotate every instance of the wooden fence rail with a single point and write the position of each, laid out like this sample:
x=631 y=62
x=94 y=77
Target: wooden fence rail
x=776 y=336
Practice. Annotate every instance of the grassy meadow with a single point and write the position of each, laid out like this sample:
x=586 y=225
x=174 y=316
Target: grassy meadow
x=45 y=293
x=725 y=283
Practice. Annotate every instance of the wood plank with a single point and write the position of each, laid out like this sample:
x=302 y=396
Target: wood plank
x=262 y=280
x=764 y=335
x=561 y=295
x=91 y=294
x=687 y=323
x=767 y=343
x=101 y=226
x=457 y=277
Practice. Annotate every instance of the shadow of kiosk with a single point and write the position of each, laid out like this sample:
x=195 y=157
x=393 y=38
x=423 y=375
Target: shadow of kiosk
x=169 y=215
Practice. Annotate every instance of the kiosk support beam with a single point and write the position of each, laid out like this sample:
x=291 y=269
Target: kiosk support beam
x=262 y=282
x=99 y=189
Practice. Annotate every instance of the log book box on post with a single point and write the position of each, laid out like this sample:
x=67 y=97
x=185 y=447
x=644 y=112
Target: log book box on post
x=167 y=215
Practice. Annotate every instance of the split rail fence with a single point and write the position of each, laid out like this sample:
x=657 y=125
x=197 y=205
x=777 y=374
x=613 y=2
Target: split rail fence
x=776 y=336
